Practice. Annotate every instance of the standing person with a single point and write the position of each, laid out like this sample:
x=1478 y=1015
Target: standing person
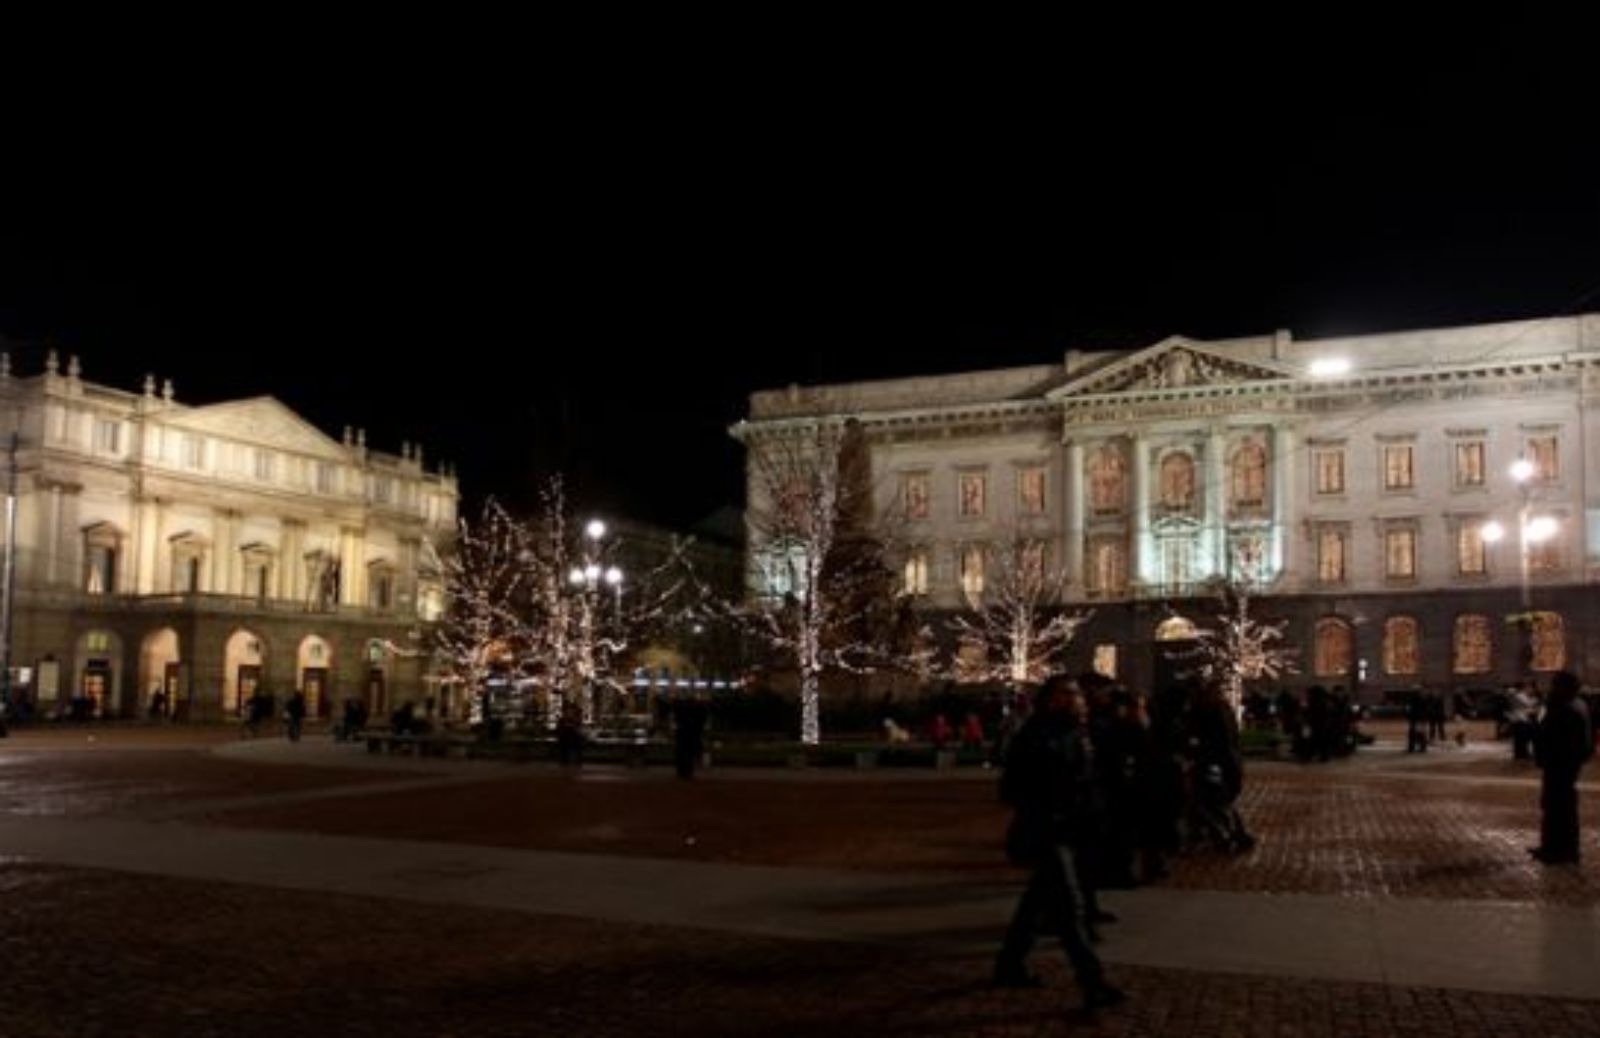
x=1519 y=718
x=1218 y=770
x=688 y=734
x=1561 y=747
x=294 y=714
x=1048 y=781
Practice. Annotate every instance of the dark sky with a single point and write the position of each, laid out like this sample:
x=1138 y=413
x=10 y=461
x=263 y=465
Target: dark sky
x=590 y=268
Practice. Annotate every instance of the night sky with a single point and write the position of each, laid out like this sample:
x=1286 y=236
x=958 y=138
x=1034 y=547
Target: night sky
x=591 y=272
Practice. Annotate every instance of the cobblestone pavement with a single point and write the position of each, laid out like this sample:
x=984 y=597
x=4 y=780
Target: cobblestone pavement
x=1325 y=829
x=92 y=953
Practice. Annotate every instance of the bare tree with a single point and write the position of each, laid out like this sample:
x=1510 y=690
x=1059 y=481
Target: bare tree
x=1017 y=631
x=482 y=570
x=1242 y=648
x=820 y=585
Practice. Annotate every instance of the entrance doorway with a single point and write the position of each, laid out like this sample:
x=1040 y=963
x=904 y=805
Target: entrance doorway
x=96 y=687
x=249 y=680
x=377 y=693
x=314 y=686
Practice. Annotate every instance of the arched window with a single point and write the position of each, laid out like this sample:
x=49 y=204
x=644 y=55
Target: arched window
x=1334 y=647
x=1473 y=644
x=1177 y=482
x=1249 y=475
x=1400 y=645
x=1548 y=642
x=1108 y=482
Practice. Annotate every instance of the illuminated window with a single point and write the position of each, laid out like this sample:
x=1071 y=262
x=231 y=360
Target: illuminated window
x=1330 y=471
x=1469 y=468
x=1249 y=477
x=1398 y=473
x=972 y=570
x=1177 y=482
x=1330 y=554
x=1542 y=451
x=1107 y=480
x=1108 y=566
x=1547 y=639
x=916 y=572
x=1400 y=553
x=1472 y=552
x=1400 y=645
x=1472 y=645
x=1334 y=648
x=973 y=487
x=1031 y=491
x=914 y=494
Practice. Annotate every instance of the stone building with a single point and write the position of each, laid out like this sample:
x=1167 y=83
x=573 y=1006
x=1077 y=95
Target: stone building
x=207 y=551
x=1423 y=507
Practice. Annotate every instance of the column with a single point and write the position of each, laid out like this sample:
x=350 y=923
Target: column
x=1074 y=517
x=1217 y=500
x=350 y=558
x=146 y=537
x=1144 y=563
x=221 y=551
x=69 y=558
x=290 y=565
x=50 y=573
x=1280 y=558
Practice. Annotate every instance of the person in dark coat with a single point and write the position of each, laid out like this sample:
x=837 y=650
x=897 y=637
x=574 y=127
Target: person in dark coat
x=1048 y=780
x=294 y=715
x=1416 y=715
x=688 y=734
x=1218 y=771
x=1561 y=747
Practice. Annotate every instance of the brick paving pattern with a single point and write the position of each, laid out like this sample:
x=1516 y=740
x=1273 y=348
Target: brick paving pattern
x=91 y=953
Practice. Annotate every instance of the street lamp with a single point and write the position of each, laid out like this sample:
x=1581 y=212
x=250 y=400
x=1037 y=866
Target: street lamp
x=1531 y=530
x=586 y=578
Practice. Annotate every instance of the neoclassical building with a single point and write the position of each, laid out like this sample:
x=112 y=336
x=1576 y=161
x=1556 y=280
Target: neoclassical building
x=1423 y=507
x=208 y=551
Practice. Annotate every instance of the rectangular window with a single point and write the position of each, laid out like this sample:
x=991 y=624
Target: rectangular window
x=1472 y=556
x=1400 y=553
x=107 y=435
x=1330 y=555
x=1108 y=566
x=1330 y=472
x=916 y=573
x=194 y=451
x=914 y=494
x=1469 y=464
x=102 y=575
x=1544 y=556
x=1397 y=470
x=1542 y=451
x=381 y=489
x=1030 y=491
x=324 y=477
x=972 y=570
x=1030 y=567
x=973 y=492
x=263 y=465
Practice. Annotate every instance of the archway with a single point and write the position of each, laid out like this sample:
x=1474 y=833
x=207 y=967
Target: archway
x=241 y=670
x=160 y=671
x=314 y=674
x=1175 y=656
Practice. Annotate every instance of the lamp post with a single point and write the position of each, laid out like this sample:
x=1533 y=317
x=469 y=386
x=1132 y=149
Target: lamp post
x=587 y=579
x=1531 y=530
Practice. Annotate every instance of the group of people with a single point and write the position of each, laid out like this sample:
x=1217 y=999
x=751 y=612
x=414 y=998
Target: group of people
x=1105 y=784
x=258 y=711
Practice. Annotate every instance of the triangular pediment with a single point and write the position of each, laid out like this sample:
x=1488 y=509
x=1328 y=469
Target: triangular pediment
x=261 y=420
x=1173 y=363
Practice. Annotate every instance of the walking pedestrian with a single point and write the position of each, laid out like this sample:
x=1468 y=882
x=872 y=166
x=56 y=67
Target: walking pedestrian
x=1048 y=781
x=294 y=715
